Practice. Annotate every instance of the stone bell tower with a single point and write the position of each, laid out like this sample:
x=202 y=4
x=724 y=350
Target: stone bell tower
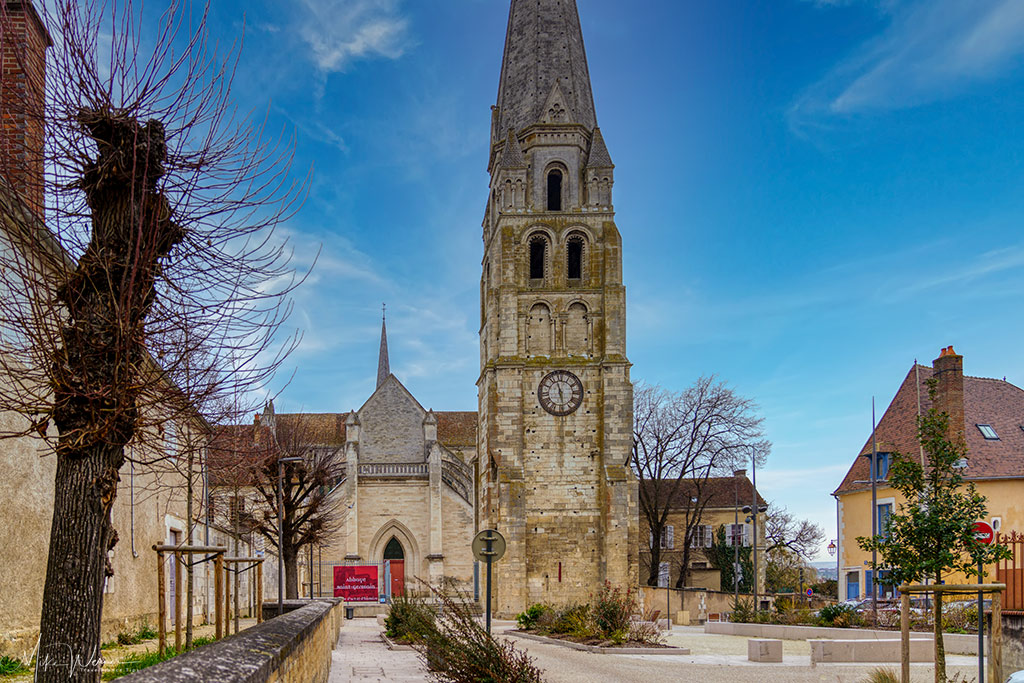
x=555 y=399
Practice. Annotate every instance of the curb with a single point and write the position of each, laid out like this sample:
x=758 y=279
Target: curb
x=600 y=650
x=392 y=645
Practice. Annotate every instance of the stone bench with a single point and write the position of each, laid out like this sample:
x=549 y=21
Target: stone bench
x=764 y=650
x=888 y=650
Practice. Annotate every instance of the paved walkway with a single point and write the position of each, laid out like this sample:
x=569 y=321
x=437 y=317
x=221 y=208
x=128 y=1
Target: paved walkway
x=361 y=656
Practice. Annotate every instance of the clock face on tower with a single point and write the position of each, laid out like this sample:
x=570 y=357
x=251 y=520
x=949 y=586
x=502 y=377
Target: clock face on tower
x=560 y=392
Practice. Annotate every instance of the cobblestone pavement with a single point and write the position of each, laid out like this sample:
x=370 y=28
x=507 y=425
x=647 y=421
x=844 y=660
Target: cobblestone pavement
x=361 y=656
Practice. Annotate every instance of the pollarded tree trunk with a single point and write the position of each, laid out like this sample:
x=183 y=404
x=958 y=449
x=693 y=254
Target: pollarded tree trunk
x=291 y=571
x=95 y=371
x=940 y=645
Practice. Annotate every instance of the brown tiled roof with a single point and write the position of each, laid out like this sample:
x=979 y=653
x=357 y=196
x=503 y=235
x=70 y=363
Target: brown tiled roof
x=986 y=401
x=456 y=428
x=721 y=492
x=327 y=429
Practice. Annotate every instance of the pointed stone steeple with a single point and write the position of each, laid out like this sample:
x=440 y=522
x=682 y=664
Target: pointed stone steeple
x=544 y=59
x=383 y=367
x=599 y=156
x=512 y=154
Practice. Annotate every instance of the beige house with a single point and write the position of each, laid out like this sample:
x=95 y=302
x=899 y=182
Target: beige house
x=710 y=504
x=986 y=414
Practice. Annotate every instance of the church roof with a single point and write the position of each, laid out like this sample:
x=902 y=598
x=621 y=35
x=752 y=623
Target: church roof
x=543 y=47
x=599 y=156
x=456 y=428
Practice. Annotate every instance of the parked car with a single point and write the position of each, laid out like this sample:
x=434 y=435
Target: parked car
x=1016 y=677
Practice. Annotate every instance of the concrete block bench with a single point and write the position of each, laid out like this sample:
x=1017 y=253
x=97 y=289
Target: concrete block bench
x=888 y=650
x=764 y=650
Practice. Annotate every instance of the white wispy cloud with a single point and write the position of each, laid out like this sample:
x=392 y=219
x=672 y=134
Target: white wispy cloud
x=340 y=31
x=931 y=50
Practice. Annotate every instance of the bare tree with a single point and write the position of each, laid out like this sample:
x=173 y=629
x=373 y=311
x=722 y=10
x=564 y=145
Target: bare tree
x=680 y=440
x=137 y=208
x=790 y=543
x=312 y=509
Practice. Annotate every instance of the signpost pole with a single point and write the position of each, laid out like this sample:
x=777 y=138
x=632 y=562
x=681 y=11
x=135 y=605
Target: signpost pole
x=981 y=628
x=489 y=540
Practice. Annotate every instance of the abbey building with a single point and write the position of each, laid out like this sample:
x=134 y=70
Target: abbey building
x=544 y=460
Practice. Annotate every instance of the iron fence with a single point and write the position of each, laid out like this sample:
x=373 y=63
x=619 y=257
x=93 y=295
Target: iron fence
x=1011 y=571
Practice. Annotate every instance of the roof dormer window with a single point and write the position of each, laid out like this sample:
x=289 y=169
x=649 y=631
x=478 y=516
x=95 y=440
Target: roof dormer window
x=988 y=432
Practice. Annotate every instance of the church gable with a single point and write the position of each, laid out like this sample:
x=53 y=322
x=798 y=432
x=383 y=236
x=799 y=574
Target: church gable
x=392 y=426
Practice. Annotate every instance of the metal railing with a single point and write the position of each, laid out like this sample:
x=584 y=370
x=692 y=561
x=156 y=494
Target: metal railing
x=1011 y=571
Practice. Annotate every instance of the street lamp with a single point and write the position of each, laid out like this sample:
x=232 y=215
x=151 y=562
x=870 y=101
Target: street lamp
x=833 y=548
x=751 y=513
x=280 y=531
x=873 y=455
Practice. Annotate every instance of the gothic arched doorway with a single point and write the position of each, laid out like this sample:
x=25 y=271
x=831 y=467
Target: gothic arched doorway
x=394 y=567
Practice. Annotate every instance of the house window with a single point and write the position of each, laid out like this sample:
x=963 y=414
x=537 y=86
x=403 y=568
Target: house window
x=988 y=432
x=668 y=541
x=702 y=534
x=663 y=575
x=170 y=439
x=737 y=534
x=884 y=512
x=554 y=190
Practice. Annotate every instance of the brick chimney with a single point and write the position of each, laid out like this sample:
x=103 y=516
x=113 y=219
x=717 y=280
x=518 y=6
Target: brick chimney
x=23 y=43
x=949 y=392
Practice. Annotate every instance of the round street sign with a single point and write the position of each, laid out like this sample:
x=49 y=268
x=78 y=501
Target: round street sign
x=983 y=533
x=497 y=543
x=810 y=592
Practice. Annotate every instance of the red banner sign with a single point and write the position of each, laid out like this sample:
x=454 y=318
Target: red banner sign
x=983 y=533
x=356 y=583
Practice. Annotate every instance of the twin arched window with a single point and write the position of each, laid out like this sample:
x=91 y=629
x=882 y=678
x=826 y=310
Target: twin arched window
x=575 y=257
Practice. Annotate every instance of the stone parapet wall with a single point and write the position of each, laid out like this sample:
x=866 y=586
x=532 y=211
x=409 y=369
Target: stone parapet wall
x=294 y=648
x=1013 y=642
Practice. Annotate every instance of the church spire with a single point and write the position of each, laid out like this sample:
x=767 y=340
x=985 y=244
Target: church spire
x=383 y=367
x=544 y=60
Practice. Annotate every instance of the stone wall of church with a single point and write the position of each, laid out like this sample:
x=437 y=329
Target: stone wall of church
x=457 y=536
x=391 y=427
x=407 y=503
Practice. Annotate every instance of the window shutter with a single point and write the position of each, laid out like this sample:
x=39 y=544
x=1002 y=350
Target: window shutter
x=746 y=535
x=650 y=540
x=663 y=575
x=728 y=536
x=708 y=531
x=671 y=540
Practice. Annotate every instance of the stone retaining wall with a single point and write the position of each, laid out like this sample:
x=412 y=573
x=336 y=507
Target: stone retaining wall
x=956 y=643
x=1013 y=642
x=294 y=648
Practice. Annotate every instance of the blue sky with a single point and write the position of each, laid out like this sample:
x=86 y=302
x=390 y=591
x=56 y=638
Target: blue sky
x=811 y=195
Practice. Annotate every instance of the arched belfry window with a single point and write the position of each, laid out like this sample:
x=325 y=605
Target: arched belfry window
x=574 y=256
x=538 y=256
x=554 y=190
x=393 y=550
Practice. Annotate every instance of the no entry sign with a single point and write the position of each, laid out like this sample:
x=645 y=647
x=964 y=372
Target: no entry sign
x=983 y=533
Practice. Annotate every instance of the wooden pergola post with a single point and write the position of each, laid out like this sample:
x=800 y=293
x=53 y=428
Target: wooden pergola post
x=227 y=600
x=161 y=628
x=259 y=593
x=995 y=660
x=218 y=579
x=177 y=602
x=905 y=637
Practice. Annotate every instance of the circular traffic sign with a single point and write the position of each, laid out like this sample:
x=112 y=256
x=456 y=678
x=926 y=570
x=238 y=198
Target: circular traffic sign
x=488 y=545
x=983 y=533
x=810 y=592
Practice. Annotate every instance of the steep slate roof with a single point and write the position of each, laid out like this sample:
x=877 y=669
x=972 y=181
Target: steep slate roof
x=986 y=401
x=235 y=451
x=719 y=491
x=327 y=429
x=543 y=45
x=599 y=156
x=456 y=428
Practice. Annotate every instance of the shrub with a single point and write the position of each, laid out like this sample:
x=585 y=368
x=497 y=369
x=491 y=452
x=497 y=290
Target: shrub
x=613 y=610
x=828 y=614
x=457 y=649
x=528 y=620
x=143 y=632
x=408 y=619
x=742 y=611
x=569 y=618
x=880 y=675
x=12 y=665
x=645 y=631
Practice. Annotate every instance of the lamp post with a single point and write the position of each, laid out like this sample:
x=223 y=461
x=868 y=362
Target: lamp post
x=833 y=548
x=280 y=531
x=751 y=513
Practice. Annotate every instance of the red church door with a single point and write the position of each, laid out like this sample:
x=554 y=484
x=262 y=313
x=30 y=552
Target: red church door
x=397 y=577
x=394 y=559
